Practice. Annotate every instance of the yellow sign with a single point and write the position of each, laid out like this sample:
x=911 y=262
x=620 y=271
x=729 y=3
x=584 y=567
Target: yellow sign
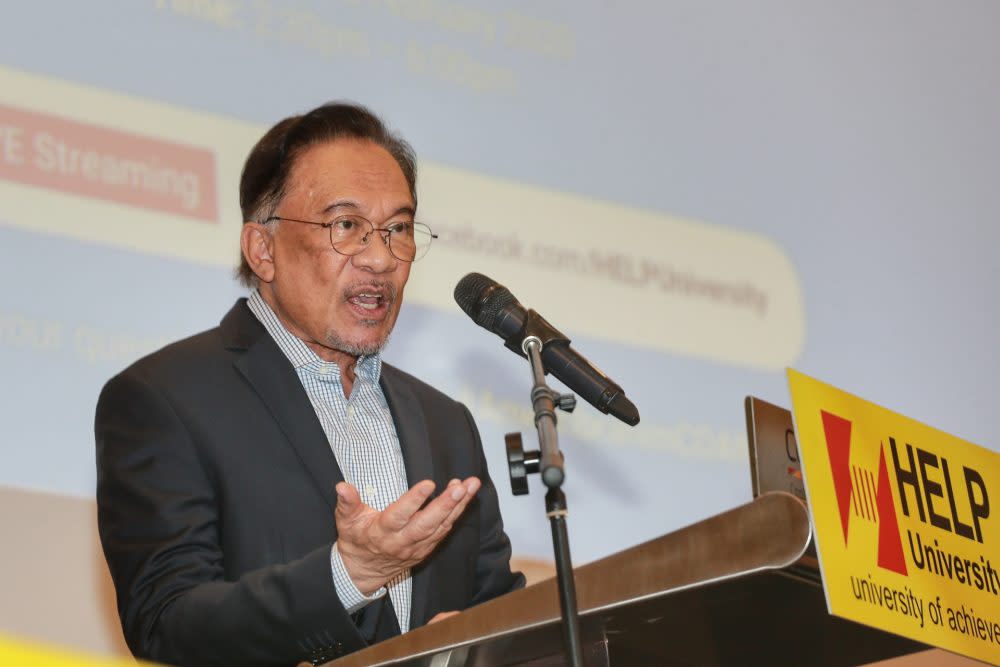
x=906 y=537
x=16 y=652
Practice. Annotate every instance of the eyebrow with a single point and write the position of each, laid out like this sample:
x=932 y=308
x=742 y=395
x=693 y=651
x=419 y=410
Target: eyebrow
x=349 y=204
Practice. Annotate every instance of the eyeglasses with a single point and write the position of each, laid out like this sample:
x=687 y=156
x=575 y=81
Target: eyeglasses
x=350 y=235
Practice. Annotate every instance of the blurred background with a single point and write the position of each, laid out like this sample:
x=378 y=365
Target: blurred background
x=700 y=194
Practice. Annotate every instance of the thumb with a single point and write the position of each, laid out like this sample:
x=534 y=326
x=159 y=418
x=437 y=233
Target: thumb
x=348 y=500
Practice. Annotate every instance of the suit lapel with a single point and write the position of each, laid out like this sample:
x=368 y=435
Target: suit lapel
x=411 y=428
x=273 y=378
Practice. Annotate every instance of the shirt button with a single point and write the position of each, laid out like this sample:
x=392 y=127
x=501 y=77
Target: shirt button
x=350 y=412
x=369 y=492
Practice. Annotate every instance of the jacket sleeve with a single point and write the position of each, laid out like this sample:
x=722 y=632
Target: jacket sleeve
x=159 y=525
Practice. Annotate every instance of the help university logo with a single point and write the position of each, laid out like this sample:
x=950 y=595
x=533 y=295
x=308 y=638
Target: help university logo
x=863 y=493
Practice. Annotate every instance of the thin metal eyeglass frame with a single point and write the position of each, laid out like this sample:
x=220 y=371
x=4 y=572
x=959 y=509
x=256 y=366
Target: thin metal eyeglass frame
x=386 y=234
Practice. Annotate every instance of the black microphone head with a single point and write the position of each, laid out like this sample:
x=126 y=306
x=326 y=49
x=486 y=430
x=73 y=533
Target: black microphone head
x=482 y=298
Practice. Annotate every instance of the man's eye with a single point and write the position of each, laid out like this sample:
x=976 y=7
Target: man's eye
x=349 y=226
x=400 y=228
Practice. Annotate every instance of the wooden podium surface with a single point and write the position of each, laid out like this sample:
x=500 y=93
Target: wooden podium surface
x=729 y=590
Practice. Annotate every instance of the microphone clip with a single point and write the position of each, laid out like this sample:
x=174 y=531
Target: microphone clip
x=535 y=326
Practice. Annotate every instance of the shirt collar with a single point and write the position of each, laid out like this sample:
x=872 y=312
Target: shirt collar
x=368 y=368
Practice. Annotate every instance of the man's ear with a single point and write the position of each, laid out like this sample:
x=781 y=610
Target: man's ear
x=257 y=244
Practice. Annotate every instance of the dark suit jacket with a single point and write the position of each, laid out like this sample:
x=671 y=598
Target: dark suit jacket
x=215 y=493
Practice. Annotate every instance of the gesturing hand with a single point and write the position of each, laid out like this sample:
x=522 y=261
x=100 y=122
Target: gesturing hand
x=376 y=546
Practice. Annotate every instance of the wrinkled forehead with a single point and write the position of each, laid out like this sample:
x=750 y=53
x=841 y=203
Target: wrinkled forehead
x=349 y=168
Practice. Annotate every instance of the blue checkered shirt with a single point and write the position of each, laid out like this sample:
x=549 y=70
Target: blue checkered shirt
x=363 y=437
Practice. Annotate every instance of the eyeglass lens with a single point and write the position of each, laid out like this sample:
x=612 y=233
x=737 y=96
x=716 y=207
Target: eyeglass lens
x=408 y=241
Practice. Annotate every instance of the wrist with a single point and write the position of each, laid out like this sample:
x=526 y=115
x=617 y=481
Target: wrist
x=366 y=579
x=354 y=592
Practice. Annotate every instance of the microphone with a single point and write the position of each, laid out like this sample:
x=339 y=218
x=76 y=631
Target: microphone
x=493 y=307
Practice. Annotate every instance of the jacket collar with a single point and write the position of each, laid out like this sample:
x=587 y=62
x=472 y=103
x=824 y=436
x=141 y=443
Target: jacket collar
x=411 y=428
x=272 y=377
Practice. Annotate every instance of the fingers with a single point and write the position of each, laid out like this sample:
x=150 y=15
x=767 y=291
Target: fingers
x=398 y=514
x=414 y=524
x=472 y=488
x=429 y=518
x=435 y=521
x=444 y=527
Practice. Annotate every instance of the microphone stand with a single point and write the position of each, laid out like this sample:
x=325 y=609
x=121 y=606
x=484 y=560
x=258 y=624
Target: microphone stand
x=550 y=461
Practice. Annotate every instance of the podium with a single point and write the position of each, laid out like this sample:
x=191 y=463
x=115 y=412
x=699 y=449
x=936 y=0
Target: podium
x=733 y=590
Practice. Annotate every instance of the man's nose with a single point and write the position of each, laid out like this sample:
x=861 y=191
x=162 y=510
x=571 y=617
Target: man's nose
x=376 y=254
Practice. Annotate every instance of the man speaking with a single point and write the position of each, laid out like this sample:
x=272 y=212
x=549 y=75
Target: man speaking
x=270 y=491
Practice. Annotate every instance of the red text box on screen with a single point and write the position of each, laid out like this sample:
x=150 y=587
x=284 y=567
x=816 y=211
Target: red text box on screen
x=66 y=155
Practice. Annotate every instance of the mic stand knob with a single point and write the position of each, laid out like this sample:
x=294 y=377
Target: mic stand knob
x=564 y=402
x=520 y=463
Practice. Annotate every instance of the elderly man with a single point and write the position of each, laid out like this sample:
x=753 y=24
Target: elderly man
x=270 y=491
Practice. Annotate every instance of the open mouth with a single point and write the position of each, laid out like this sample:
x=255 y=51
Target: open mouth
x=368 y=301
x=371 y=298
